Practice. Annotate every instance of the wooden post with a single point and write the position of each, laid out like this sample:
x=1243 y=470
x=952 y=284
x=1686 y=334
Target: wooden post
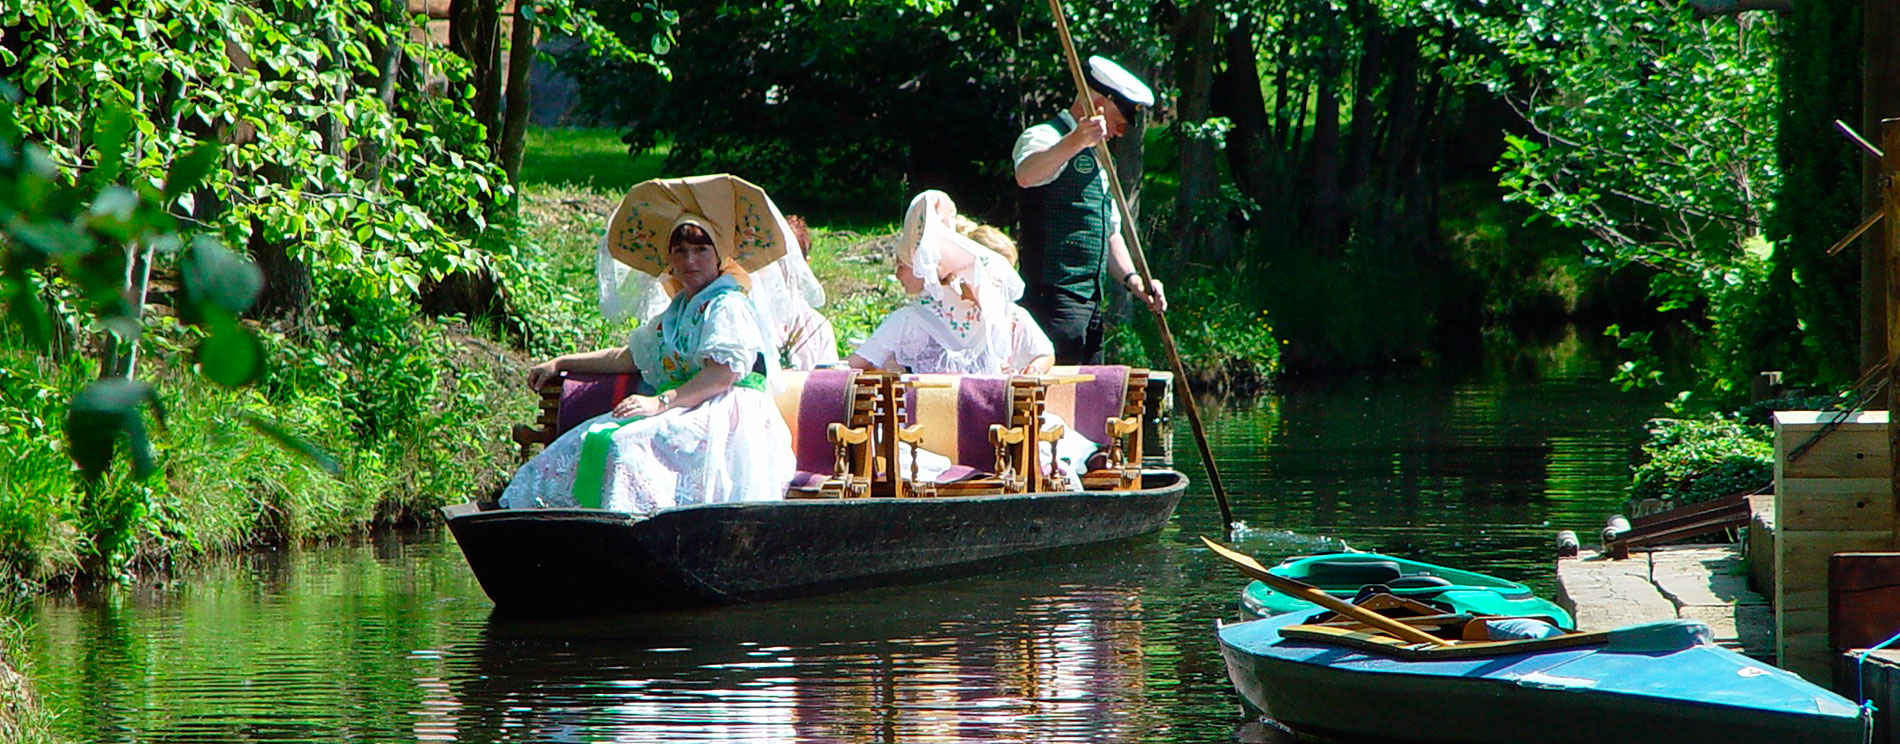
x=1890 y=206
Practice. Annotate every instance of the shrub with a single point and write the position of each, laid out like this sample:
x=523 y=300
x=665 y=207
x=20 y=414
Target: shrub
x=1693 y=460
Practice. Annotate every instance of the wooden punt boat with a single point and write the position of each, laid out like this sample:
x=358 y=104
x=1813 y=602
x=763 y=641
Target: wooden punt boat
x=1343 y=575
x=568 y=560
x=1640 y=683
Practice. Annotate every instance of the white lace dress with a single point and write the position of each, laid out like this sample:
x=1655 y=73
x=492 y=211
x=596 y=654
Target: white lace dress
x=914 y=339
x=731 y=447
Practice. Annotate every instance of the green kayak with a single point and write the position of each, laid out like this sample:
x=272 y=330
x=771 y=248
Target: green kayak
x=1344 y=574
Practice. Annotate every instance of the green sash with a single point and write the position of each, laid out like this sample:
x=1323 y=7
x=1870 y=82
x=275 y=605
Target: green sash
x=599 y=438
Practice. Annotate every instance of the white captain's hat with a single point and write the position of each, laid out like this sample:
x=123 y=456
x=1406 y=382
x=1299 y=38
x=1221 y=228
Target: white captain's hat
x=1128 y=92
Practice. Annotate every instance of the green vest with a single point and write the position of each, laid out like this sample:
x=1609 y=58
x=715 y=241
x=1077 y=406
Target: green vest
x=1065 y=226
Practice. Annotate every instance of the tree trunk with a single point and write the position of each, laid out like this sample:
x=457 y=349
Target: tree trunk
x=1203 y=235
x=515 y=119
x=1323 y=161
x=475 y=36
x=1249 y=154
x=1880 y=99
x=288 y=289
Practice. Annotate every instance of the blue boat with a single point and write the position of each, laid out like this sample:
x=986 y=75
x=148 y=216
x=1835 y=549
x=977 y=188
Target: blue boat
x=1343 y=575
x=1314 y=671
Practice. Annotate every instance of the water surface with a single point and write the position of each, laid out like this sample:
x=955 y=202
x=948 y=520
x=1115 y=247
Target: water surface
x=390 y=638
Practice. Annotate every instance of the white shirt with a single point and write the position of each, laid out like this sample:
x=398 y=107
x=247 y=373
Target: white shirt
x=1044 y=136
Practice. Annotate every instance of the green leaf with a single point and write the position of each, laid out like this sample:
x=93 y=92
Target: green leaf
x=215 y=276
x=110 y=133
x=190 y=169
x=230 y=355
x=51 y=238
x=100 y=414
x=29 y=313
x=294 y=443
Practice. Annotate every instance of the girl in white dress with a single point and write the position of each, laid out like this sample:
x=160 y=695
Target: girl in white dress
x=962 y=317
x=711 y=434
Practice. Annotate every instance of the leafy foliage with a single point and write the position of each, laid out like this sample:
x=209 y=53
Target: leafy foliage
x=1655 y=132
x=1692 y=460
x=844 y=106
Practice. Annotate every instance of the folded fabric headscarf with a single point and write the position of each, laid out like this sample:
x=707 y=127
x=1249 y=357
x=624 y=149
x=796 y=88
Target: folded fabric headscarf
x=967 y=288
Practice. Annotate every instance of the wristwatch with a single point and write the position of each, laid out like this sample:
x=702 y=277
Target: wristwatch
x=666 y=400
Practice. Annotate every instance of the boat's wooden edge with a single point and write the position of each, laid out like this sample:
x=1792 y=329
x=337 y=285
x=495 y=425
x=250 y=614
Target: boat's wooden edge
x=1362 y=640
x=1173 y=480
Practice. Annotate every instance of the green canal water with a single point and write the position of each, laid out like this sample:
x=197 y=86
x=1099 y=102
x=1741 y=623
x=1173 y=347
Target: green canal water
x=390 y=638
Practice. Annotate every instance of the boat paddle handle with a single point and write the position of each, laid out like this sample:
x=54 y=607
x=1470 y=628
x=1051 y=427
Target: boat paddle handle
x=1310 y=593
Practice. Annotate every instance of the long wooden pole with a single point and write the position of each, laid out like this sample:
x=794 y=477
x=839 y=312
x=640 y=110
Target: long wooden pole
x=1302 y=590
x=1141 y=267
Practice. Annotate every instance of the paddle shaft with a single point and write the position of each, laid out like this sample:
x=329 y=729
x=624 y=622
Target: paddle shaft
x=1141 y=267
x=1310 y=593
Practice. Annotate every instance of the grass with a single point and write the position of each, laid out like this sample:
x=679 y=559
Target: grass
x=594 y=158
x=22 y=719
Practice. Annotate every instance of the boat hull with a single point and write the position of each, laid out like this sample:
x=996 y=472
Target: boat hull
x=1582 y=695
x=567 y=560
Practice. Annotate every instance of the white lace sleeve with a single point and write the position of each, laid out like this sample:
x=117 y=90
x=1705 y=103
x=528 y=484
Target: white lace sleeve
x=644 y=347
x=732 y=335
x=890 y=336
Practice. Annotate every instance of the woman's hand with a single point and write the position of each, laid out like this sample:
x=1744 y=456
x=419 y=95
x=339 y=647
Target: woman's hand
x=541 y=374
x=639 y=405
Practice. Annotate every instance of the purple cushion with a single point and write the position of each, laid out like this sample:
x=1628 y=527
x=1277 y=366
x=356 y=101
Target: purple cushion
x=806 y=480
x=586 y=395
x=1100 y=399
x=825 y=400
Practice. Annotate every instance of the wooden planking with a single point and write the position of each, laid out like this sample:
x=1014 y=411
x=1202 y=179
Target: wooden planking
x=1856 y=449
x=1835 y=504
x=1801 y=594
x=1808 y=657
x=1803 y=562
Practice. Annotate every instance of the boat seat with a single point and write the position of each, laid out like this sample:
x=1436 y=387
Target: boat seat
x=1107 y=410
x=1351 y=572
x=830 y=413
x=987 y=425
x=570 y=399
x=1419 y=581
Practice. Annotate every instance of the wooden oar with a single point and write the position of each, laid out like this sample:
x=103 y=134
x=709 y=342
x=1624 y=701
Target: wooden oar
x=1141 y=267
x=1310 y=593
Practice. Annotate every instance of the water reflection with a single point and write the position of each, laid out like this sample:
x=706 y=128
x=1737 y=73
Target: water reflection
x=1053 y=656
x=390 y=639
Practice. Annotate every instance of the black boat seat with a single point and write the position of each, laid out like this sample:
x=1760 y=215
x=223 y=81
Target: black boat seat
x=1352 y=572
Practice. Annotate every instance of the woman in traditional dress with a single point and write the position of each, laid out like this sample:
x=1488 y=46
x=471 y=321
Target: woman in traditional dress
x=962 y=317
x=711 y=433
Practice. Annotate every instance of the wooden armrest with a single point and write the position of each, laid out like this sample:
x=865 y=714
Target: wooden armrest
x=1121 y=427
x=841 y=434
x=1051 y=433
x=1000 y=434
x=911 y=434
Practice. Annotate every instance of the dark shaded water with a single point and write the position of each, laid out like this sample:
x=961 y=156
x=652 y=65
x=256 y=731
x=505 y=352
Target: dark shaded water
x=390 y=639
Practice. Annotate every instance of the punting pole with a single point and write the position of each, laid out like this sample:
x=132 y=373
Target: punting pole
x=1141 y=266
